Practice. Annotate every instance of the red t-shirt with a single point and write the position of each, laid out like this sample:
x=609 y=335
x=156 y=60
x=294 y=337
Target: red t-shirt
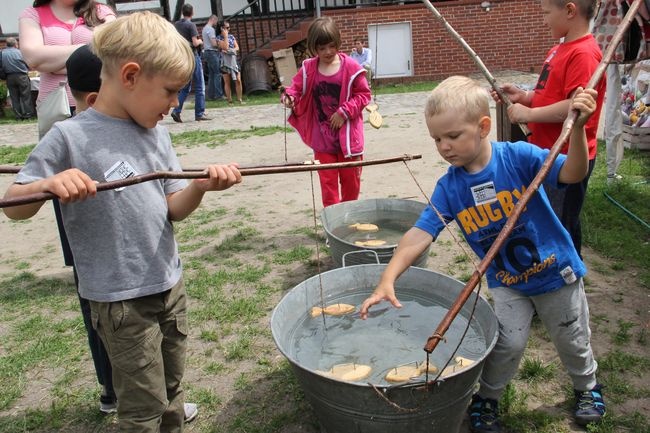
x=567 y=67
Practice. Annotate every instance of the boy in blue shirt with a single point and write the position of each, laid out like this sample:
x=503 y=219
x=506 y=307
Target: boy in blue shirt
x=537 y=269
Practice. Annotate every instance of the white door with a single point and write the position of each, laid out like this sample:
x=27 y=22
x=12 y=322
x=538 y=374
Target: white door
x=391 y=45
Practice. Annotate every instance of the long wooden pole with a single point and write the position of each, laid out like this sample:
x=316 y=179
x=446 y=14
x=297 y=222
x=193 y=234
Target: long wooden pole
x=34 y=198
x=434 y=339
x=13 y=169
x=477 y=60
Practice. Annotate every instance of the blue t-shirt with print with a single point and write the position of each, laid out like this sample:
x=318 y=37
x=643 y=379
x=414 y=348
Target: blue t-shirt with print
x=538 y=256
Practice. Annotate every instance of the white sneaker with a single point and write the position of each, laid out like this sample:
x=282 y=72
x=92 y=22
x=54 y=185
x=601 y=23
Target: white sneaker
x=612 y=178
x=191 y=411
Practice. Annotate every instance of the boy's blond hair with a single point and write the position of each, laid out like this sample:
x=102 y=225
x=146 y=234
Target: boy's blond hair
x=146 y=39
x=460 y=94
x=323 y=31
x=586 y=8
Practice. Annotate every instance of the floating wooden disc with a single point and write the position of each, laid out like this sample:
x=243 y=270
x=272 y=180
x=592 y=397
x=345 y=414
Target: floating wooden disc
x=370 y=243
x=364 y=227
x=404 y=373
x=460 y=363
x=349 y=372
x=333 y=310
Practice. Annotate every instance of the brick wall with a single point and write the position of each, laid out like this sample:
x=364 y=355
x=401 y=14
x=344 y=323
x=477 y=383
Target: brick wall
x=511 y=36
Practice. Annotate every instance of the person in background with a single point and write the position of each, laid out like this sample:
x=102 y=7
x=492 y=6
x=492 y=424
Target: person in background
x=212 y=57
x=567 y=66
x=188 y=30
x=50 y=30
x=130 y=270
x=327 y=97
x=536 y=270
x=18 y=82
x=363 y=56
x=229 y=67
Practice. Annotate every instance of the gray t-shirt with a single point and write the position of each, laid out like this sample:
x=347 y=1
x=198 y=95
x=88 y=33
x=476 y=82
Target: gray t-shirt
x=209 y=35
x=122 y=240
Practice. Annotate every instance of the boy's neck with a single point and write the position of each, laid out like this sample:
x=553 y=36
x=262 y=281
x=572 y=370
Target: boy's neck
x=577 y=31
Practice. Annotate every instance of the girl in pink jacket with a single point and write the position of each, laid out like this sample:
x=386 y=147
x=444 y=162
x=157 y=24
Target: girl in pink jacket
x=327 y=97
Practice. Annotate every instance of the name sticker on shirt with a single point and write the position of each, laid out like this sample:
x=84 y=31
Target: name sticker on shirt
x=568 y=275
x=484 y=193
x=120 y=170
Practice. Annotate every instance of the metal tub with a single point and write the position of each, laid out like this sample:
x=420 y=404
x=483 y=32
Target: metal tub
x=355 y=407
x=367 y=211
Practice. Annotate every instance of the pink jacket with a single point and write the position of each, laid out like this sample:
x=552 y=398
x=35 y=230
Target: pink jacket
x=355 y=95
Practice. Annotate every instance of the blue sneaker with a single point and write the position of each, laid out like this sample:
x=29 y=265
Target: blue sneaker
x=590 y=406
x=483 y=415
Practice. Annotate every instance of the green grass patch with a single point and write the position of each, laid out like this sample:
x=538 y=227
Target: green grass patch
x=214 y=138
x=606 y=227
x=15 y=154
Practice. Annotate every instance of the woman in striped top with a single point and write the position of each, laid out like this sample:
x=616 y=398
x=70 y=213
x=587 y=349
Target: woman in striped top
x=51 y=30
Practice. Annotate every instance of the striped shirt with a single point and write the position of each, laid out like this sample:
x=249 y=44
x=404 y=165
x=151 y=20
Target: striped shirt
x=57 y=32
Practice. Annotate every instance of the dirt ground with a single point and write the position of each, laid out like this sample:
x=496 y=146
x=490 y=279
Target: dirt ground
x=278 y=202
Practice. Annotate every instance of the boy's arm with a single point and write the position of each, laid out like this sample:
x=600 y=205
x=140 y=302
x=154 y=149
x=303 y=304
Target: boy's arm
x=183 y=202
x=576 y=166
x=412 y=244
x=69 y=185
x=553 y=113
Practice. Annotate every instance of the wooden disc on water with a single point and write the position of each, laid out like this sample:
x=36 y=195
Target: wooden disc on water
x=333 y=310
x=365 y=227
x=349 y=372
x=460 y=363
x=370 y=243
x=404 y=373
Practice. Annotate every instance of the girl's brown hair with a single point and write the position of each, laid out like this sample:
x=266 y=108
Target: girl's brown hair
x=86 y=9
x=323 y=31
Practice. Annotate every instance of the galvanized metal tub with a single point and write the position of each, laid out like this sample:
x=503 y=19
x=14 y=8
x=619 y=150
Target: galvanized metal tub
x=347 y=407
x=368 y=211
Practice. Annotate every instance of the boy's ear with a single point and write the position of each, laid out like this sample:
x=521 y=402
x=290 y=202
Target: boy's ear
x=91 y=98
x=572 y=9
x=129 y=73
x=484 y=124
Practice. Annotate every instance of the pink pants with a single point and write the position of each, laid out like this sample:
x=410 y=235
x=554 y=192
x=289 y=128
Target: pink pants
x=349 y=179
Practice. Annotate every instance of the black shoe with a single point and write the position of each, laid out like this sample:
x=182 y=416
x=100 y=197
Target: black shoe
x=590 y=406
x=483 y=415
x=198 y=119
x=177 y=117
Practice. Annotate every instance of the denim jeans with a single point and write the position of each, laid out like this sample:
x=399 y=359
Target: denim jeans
x=199 y=90
x=215 y=88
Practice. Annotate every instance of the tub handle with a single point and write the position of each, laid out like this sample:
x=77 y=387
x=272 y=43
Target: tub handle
x=358 y=252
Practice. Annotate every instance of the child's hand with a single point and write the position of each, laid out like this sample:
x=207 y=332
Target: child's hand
x=70 y=185
x=336 y=120
x=383 y=292
x=584 y=100
x=288 y=101
x=221 y=177
x=514 y=93
x=518 y=113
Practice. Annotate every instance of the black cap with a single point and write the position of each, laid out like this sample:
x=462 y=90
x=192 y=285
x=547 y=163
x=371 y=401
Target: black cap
x=84 y=69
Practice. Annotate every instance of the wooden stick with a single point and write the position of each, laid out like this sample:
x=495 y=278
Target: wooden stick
x=434 y=339
x=13 y=169
x=477 y=60
x=34 y=198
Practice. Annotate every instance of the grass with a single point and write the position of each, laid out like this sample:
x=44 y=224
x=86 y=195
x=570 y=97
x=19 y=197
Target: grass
x=607 y=228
